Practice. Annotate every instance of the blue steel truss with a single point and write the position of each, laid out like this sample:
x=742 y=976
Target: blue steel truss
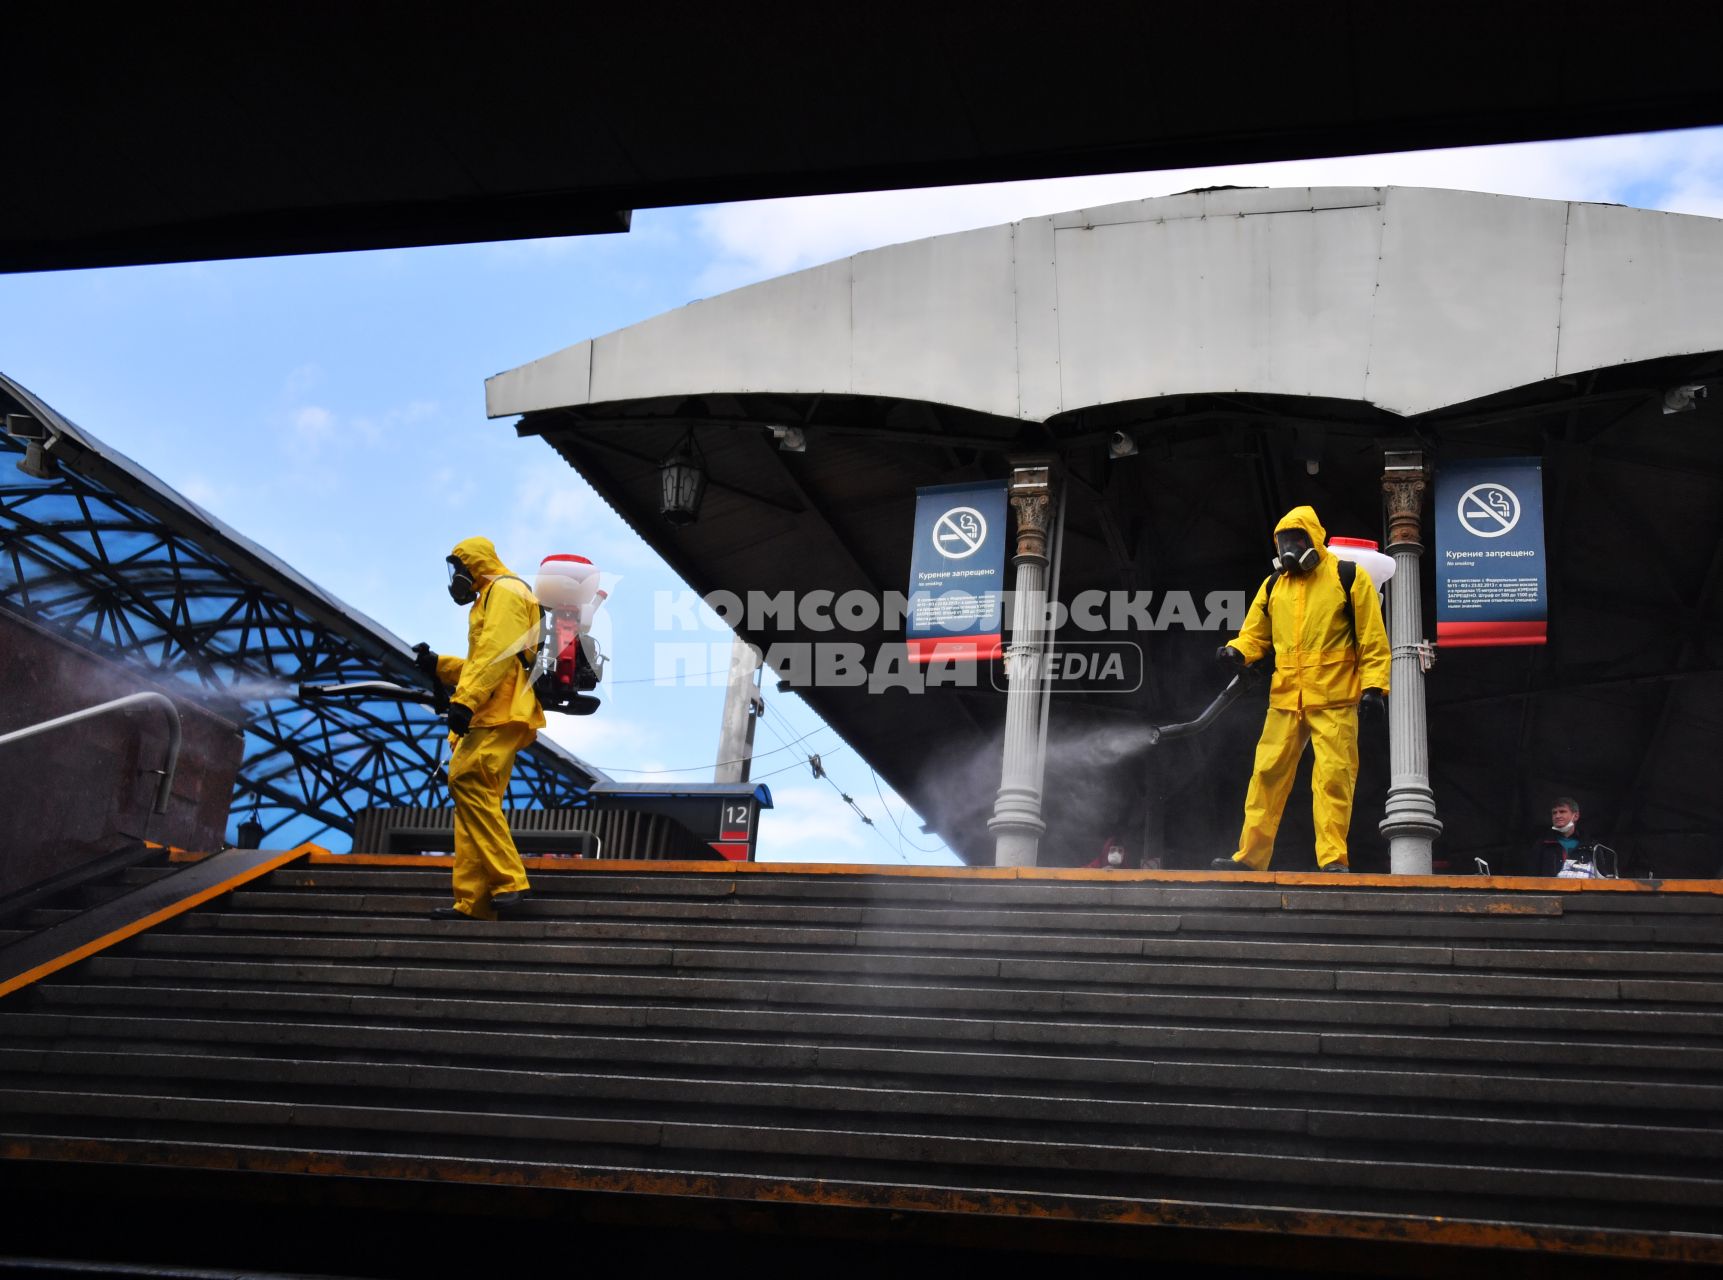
x=106 y=555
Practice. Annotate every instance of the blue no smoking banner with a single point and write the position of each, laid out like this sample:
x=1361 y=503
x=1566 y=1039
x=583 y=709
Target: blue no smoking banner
x=957 y=573
x=1490 y=583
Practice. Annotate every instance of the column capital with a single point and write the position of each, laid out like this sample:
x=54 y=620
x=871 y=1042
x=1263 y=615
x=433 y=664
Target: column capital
x=1034 y=513
x=1405 y=481
x=1032 y=501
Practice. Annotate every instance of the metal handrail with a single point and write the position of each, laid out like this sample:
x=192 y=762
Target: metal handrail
x=90 y=713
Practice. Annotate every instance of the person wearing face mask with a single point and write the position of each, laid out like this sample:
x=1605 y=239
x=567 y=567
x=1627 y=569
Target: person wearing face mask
x=1111 y=857
x=1559 y=842
x=1322 y=620
x=493 y=716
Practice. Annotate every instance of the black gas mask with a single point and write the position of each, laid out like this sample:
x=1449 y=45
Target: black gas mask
x=462 y=588
x=1294 y=553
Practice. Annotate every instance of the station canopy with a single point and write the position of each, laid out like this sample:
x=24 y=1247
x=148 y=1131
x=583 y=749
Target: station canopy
x=1254 y=349
x=105 y=555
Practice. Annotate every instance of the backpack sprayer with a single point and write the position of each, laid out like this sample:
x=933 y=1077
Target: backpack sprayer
x=567 y=666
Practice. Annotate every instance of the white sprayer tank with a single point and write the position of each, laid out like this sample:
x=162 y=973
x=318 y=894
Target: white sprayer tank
x=569 y=585
x=1363 y=551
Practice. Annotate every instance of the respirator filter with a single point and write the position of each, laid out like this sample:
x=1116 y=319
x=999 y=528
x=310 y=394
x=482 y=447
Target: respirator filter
x=1294 y=553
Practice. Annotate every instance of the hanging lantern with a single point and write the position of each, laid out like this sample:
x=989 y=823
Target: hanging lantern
x=683 y=479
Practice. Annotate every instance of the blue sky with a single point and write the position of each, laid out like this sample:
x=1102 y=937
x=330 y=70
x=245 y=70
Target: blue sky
x=332 y=409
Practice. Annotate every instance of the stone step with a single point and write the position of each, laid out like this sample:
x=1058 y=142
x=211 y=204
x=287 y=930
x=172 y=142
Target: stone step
x=1645 y=1060
x=1500 y=958
x=74 y=1071
x=1044 y=1164
x=1541 y=1056
x=1647 y=1022
x=1185 y=896
x=117 y=885
x=562 y=902
x=511 y=951
x=1201 y=1068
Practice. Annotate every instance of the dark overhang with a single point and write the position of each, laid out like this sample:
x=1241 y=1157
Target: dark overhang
x=129 y=141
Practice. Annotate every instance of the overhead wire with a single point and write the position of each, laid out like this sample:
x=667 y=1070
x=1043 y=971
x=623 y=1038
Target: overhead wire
x=850 y=800
x=888 y=813
x=820 y=773
x=813 y=761
x=884 y=803
x=696 y=768
x=899 y=825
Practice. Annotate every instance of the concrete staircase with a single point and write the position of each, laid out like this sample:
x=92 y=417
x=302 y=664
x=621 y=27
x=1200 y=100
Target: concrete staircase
x=1466 y=1066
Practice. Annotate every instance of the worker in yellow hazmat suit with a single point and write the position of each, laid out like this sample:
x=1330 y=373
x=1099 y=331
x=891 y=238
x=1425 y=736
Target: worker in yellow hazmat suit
x=493 y=714
x=1328 y=661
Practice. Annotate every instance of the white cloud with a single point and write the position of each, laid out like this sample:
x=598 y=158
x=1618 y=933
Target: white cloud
x=554 y=510
x=301 y=381
x=202 y=491
x=454 y=487
x=811 y=824
x=312 y=424
x=606 y=741
x=1681 y=172
x=375 y=429
x=1696 y=183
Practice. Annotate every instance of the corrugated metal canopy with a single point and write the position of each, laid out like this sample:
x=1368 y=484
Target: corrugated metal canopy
x=1409 y=299
x=1623 y=708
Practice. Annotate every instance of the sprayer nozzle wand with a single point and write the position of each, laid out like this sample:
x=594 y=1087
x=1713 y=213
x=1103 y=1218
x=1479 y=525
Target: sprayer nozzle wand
x=375 y=690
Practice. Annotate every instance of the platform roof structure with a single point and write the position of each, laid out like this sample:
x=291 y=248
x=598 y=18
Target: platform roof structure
x=109 y=557
x=1261 y=347
x=353 y=130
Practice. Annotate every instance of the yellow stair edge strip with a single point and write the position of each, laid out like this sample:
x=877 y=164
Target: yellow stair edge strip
x=117 y=936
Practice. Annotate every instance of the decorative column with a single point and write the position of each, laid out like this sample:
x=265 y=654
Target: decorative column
x=1409 y=818
x=1016 y=823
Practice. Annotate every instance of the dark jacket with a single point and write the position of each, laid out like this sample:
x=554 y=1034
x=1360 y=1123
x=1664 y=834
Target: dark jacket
x=1547 y=855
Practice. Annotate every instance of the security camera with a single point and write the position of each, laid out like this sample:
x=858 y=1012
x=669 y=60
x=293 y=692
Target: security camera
x=790 y=439
x=1121 y=445
x=36 y=463
x=1679 y=399
x=37 y=440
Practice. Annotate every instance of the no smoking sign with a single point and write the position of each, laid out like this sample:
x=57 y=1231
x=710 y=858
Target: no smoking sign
x=959 y=533
x=1489 y=510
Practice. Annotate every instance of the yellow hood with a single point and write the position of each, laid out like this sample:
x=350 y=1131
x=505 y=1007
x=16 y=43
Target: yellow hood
x=480 y=557
x=1304 y=519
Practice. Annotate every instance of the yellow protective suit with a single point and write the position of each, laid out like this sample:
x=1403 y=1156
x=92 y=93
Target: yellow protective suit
x=502 y=625
x=1320 y=671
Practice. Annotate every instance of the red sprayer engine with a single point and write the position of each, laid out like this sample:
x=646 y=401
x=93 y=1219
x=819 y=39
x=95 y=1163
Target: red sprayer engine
x=569 y=664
